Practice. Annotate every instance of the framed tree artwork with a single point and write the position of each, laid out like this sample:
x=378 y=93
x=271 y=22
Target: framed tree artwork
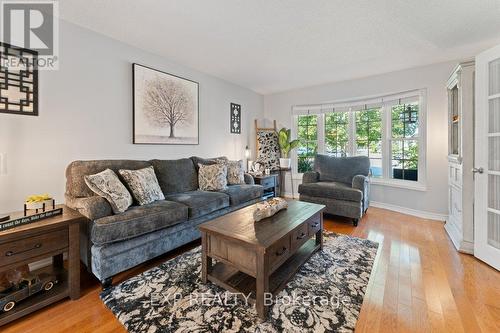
x=235 y=118
x=18 y=80
x=166 y=108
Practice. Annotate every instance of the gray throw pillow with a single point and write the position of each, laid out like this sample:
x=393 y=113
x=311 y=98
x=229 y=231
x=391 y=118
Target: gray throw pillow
x=235 y=173
x=107 y=185
x=143 y=184
x=212 y=177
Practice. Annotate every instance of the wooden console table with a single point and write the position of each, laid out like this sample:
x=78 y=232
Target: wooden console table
x=256 y=258
x=47 y=238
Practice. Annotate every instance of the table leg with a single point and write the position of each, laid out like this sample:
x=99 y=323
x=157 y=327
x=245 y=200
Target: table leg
x=262 y=282
x=74 y=261
x=291 y=180
x=206 y=261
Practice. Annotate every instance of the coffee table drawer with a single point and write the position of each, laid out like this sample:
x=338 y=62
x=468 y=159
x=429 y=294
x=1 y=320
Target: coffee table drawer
x=24 y=248
x=279 y=252
x=299 y=236
x=314 y=225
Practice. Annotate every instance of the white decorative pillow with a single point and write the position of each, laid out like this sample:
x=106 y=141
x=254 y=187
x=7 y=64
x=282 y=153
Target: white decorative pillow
x=143 y=184
x=235 y=173
x=212 y=177
x=107 y=185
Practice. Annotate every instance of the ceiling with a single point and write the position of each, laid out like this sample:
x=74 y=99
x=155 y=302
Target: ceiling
x=276 y=45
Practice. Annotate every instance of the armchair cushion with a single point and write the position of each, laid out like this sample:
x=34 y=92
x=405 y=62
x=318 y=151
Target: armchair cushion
x=341 y=169
x=310 y=177
x=331 y=190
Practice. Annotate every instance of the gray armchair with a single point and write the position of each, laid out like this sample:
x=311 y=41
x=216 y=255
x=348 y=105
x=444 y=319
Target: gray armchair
x=342 y=184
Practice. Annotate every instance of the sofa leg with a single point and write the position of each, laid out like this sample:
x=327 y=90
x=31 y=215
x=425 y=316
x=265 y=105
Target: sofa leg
x=355 y=222
x=108 y=282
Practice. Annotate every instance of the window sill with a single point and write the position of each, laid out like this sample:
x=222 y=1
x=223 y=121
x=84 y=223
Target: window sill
x=406 y=184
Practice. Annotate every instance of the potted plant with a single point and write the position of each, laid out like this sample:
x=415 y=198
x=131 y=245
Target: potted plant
x=286 y=146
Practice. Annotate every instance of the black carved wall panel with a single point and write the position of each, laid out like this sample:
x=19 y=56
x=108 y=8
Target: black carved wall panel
x=18 y=80
x=235 y=118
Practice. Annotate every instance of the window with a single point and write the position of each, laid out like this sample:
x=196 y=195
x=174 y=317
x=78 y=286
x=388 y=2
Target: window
x=369 y=138
x=404 y=141
x=386 y=129
x=307 y=133
x=336 y=133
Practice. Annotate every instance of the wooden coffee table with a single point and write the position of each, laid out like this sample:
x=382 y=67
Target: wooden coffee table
x=258 y=258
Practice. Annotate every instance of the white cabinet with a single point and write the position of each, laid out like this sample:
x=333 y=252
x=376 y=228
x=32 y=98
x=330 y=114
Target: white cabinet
x=460 y=224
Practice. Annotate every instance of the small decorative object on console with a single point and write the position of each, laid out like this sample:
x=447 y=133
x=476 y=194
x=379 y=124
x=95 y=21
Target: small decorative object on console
x=38 y=202
x=28 y=286
x=269 y=208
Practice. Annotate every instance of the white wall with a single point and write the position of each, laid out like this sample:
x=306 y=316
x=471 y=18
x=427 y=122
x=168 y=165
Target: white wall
x=86 y=113
x=434 y=199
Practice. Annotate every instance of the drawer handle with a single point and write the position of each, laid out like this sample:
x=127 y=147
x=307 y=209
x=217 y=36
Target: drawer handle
x=315 y=225
x=11 y=253
x=301 y=236
x=280 y=253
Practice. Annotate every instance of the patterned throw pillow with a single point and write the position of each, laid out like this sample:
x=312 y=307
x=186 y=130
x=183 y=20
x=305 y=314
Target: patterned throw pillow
x=107 y=185
x=235 y=173
x=143 y=184
x=212 y=177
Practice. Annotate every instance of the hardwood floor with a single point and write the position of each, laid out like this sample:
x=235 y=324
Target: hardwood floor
x=419 y=283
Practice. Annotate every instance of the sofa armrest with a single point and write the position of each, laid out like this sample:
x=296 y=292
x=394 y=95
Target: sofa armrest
x=249 y=179
x=92 y=208
x=310 y=177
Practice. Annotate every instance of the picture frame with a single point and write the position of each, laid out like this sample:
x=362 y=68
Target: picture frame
x=165 y=108
x=18 y=80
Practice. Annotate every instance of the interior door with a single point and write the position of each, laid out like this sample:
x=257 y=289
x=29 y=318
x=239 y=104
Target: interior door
x=487 y=158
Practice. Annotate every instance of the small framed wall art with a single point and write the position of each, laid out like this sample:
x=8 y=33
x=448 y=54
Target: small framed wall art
x=165 y=108
x=235 y=118
x=18 y=80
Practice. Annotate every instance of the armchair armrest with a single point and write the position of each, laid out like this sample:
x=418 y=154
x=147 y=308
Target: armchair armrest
x=360 y=182
x=92 y=208
x=310 y=177
x=249 y=179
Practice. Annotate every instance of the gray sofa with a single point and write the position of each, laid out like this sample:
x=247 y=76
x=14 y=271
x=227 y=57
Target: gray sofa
x=110 y=244
x=340 y=183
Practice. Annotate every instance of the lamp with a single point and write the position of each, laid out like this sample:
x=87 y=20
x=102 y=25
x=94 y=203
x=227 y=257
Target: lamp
x=247 y=157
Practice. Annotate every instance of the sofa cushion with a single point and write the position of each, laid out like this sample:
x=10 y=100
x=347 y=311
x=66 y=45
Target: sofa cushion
x=138 y=220
x=340 y=169
x=331 y=190
x=239 y=194
x=200 y=202
x=143 y=184
x=207 y=161
x=77 y=170
x=106 y=184
x=212 y=177
x=176 y=176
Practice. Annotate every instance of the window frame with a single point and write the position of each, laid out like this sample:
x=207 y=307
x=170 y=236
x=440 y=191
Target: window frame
x=385 y=102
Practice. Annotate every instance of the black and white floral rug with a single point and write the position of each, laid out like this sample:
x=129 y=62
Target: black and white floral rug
x=324 y=296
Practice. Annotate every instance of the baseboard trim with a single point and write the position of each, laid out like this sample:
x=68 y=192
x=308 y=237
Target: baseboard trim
x=410 y=211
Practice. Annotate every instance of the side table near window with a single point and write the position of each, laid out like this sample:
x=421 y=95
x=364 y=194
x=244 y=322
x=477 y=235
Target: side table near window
x=270 y=183
x=48 y=238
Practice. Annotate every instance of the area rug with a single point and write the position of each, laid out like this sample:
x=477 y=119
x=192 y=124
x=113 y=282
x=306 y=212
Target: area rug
x=325 y=295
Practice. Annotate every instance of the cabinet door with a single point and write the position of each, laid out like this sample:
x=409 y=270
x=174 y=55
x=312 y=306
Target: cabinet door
x=487 y=158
